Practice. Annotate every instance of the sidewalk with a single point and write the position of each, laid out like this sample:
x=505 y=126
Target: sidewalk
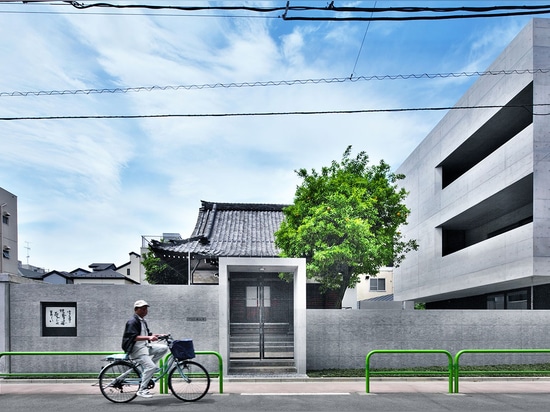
x=304 y=386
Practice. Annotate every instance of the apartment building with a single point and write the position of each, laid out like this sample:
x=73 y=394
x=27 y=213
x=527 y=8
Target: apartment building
x=479 y=188
x=8 y=232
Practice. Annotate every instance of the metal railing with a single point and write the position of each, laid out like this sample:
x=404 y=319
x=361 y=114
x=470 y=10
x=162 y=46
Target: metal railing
x=163 y=385
x=462 y=352
x=368 y=372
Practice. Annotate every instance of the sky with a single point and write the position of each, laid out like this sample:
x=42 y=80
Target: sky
x=95 y=171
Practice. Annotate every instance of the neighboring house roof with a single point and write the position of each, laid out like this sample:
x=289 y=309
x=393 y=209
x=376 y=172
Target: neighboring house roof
x=83 y=274
x=100 y=274
x=79 y=271
x=102 y=266
x=383 y=298
x=30 y=273
x=65 y=275
x=230 y=230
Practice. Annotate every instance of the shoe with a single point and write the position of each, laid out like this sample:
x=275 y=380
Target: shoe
x=144 y=393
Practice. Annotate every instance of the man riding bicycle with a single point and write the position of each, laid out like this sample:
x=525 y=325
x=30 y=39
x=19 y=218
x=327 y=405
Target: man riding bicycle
x=136 y=341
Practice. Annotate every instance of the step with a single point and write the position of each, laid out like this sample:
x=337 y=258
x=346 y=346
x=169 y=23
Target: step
x=263 y=370
x=262 y=367
x=255 y=363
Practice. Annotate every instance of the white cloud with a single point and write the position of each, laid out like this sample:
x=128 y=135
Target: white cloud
x=88 y=189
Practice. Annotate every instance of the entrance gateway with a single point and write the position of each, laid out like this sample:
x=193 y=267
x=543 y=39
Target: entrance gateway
x=262 y=318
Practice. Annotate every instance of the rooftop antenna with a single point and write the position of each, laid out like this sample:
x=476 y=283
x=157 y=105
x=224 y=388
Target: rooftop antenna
x=28 y=249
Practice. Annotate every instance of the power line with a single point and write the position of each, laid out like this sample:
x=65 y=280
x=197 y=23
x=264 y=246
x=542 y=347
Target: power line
x=330 y=12
x=361 y=47
x=529 y=108
x=272 y=83
x=442 y=12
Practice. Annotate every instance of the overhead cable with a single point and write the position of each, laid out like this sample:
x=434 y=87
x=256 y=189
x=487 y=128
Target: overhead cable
x=271 y=83
x=289 y=11
x=529 y=108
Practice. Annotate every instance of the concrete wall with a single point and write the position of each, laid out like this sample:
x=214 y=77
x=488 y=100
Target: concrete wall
x=102 y=311
x=334 y=338
x=342 y=339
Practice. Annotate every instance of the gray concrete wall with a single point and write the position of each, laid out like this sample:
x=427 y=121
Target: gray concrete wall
x=342 y=339
x=334 y=338
x=102 y=311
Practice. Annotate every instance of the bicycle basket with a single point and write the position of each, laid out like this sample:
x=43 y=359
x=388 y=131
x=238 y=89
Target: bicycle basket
x=183 y=349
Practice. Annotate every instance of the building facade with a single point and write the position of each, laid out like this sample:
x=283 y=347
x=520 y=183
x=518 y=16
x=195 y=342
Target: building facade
x=479 y=188
x=8 y=232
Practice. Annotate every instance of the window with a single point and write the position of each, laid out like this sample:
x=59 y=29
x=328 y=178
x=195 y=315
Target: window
x=6 y=219
x=6 y=252
x=377 y=285
x=517 y=299
x=495 y=302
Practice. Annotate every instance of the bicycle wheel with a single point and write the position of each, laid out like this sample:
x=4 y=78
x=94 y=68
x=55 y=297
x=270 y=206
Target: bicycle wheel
x=119 y=381
x=189 y=381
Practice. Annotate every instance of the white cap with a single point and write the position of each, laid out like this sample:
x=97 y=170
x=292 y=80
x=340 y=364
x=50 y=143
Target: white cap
x=140 y=303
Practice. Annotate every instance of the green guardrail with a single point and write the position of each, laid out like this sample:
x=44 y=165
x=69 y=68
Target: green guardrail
x=368 y=372
x=465 y=351
x=163 y=384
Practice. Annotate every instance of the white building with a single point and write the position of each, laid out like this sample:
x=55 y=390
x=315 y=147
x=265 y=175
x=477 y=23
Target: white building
x=479 y=188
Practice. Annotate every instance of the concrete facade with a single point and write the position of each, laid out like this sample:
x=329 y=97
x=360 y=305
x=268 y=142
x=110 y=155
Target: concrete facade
x=479 y=186
x=326 y=338
x=339 y=339
x=8 y=233
x=101 y=313
x=295 y=266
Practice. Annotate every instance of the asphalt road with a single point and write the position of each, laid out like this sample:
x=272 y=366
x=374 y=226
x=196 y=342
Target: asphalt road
x=394 y=402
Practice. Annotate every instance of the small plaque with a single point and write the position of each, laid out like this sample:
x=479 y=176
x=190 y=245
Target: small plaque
x=59 y=319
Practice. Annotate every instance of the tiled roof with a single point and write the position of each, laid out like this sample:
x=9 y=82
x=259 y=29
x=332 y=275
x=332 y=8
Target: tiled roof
x=231 y=230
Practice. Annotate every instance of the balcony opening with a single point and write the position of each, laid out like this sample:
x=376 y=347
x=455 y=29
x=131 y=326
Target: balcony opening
x=499 y=129
x=506 y=210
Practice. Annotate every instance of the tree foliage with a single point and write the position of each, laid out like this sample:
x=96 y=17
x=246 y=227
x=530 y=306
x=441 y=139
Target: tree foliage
x=345 y=221
x=158 y=272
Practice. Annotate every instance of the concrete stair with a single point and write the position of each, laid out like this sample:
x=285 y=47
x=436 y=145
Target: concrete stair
x=278 y=350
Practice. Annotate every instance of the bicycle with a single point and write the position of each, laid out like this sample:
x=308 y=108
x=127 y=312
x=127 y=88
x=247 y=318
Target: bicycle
x=188 y=380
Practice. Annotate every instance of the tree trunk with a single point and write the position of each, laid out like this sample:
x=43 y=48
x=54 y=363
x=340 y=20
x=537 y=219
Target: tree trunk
x=346 y=275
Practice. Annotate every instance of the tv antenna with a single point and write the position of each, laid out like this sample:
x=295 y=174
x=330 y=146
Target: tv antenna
x=28 y=250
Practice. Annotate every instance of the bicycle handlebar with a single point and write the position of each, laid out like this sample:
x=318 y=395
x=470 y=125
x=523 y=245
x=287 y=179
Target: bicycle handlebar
x=167 y=338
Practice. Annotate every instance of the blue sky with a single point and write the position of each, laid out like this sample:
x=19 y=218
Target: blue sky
x=88 y=189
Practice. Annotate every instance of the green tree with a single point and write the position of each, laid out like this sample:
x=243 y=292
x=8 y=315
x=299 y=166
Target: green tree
x=158 y=272
x=345 y=221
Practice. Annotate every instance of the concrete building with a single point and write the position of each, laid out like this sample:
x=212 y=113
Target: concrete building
x=479 y=188
x=8 y=233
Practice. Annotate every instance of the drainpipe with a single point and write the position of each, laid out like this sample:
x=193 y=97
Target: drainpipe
x=2 y=236
x=5 y=344
x=188 y=268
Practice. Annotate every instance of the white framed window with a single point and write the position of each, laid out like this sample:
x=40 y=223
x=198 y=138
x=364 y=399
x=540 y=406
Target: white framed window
x=377 y=285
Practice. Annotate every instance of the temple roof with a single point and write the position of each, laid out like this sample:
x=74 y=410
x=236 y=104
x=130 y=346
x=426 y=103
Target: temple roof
x=230 y=230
